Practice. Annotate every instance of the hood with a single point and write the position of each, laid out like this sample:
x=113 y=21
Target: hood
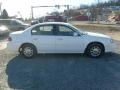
x=25 y=24
x=17 y=32
x=97 y=35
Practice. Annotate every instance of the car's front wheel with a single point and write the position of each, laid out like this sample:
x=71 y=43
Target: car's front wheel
x=95 y=50
x=28 y=51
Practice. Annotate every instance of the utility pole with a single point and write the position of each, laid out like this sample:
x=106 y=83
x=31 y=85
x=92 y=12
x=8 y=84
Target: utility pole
x=68 y=7
x=0 y=8
x=32 y=7
x=98 y=11
x=32 y=12
x=20 y=14
x=58 y=6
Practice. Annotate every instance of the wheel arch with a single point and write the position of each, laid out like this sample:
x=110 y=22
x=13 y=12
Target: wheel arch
x=95 y=42
x=20 y=48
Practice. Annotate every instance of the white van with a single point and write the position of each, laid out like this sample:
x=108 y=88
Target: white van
x=13 y=24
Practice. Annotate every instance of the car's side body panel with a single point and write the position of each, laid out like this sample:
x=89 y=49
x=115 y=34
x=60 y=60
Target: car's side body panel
x=67 y=44
x=44 y=44
x=58 y=44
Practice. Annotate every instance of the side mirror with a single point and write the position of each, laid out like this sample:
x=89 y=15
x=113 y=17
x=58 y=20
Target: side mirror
x=34 y=32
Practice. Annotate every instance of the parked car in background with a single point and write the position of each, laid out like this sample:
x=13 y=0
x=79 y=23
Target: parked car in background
x=55 y=18
x=57 y=37
x=50 y=18
x=40 y=20
x=34 y=22
x=13 y=24
x=4 y=31
x=79 y=18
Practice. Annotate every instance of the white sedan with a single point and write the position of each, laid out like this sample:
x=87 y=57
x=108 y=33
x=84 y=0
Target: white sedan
x=57 y=37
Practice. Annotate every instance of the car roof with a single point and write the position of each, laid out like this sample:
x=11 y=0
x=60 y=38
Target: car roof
x=45 y=23
x=8 y=19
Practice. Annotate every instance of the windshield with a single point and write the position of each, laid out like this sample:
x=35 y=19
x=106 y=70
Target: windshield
x=20 y=22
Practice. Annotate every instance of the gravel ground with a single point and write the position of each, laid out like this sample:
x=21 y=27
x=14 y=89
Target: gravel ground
x=61 y=71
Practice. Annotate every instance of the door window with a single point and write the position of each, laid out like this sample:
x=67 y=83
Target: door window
x=64 y=31
x=43 y=30
x=13 y=22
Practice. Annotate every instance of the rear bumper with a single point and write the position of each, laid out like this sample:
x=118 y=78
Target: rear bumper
x=13 y=48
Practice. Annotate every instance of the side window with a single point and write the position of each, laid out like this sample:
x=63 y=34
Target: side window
x=64 y=31
x=43 y=30
x=7 y=22
x=14 y=22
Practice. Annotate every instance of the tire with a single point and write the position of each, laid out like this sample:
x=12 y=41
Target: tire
x=95 y=50
x=29 y=51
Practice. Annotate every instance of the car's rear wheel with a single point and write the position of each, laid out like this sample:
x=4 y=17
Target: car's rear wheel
x=28 y=51
x=95 y=50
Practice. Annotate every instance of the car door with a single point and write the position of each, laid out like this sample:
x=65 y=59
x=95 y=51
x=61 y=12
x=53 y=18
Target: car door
x=67 y=42
x=43 y=37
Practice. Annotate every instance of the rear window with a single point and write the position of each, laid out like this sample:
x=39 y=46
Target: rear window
x=43 y=30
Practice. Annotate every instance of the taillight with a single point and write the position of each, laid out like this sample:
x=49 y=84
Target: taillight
x=9 y=38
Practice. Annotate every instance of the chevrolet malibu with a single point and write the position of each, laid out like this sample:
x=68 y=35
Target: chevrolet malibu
x=57 y=37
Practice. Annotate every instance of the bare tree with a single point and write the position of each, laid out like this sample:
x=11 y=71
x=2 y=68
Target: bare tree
x=5 y=14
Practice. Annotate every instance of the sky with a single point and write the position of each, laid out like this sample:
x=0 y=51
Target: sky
x=13 y=7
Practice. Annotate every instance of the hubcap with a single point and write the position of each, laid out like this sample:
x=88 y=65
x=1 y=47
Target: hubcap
x=95 y=51
x=28 y=51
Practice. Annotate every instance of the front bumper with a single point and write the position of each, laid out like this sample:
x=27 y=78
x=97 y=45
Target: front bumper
x=111 y=48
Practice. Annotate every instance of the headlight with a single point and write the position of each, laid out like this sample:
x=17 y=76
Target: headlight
x=111 y=40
